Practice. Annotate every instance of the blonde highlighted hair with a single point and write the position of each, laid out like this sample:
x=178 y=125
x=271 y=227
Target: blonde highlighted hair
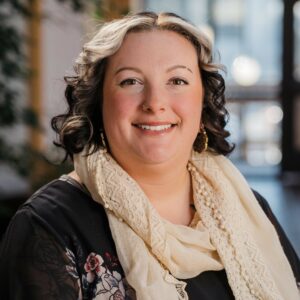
x=82 y=124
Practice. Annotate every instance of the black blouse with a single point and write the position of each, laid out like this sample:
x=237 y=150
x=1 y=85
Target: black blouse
x=59 y=246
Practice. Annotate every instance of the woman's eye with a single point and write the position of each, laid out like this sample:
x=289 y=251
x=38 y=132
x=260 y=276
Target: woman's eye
x=129 y=81
x=178 y=81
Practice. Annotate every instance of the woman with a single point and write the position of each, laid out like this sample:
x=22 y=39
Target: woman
x=153 y=209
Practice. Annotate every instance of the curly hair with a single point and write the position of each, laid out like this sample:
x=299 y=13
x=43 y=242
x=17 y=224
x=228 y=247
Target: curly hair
x=82 y=124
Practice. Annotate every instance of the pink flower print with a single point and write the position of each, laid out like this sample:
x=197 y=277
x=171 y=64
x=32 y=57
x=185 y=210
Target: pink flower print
x=100 y=282
x=94 y=265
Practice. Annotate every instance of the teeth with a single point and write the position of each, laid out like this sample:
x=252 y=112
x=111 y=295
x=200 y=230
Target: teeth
x=155 y=128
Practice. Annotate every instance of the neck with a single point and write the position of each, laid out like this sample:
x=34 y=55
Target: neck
x=165 y=185
x=160 y=180
x=168 y=188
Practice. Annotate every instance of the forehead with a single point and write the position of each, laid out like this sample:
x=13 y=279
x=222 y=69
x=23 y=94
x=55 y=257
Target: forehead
x=155 y=47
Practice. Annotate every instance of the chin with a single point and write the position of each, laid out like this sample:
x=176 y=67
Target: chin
x=156 y=157
x=155 y=160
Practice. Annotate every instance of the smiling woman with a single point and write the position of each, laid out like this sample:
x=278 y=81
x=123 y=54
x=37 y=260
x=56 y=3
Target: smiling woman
x=153 y=209
x=151 y=107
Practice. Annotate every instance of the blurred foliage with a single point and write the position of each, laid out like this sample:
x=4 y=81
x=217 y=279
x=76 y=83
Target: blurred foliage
x=13 y=70
x=110 y=9
x=77 y=5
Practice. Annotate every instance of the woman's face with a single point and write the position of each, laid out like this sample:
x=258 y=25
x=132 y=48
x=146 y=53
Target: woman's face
x=152 y=98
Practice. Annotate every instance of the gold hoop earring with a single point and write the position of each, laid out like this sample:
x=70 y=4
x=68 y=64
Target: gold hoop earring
x=201 y=142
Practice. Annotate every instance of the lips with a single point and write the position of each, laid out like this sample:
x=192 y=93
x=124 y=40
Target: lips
x=155 y=127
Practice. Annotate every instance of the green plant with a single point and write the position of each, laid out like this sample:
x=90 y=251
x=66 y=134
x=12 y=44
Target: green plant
x=14 y=69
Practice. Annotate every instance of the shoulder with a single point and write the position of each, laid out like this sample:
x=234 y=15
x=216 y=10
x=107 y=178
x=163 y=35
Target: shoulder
x=60 y=194
x=262 y=202
x=268 y=212
x=61 y=200
x=65 y=211
x=64 y=235
x=285 y=242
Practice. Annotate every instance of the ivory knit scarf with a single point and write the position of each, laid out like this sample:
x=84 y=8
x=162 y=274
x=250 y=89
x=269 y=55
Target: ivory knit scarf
x=156 y=254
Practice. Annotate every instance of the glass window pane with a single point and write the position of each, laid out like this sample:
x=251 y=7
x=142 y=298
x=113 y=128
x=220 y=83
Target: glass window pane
x=256 y=128
x=296 y=125
x=297 y=40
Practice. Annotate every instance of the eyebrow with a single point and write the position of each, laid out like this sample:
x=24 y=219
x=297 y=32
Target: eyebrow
x=179 y=67
x=139 y=71
x=128 y=68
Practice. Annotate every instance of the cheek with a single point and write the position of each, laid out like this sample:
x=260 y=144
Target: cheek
x=190 y=108
x=118 y=107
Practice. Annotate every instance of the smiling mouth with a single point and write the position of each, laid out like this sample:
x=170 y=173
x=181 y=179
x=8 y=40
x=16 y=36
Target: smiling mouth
x=154 y=127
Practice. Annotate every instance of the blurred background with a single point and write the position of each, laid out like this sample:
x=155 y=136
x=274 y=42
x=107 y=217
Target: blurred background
x=257 y=41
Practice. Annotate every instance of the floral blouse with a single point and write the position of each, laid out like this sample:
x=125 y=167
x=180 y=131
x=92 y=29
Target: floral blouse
x=59 y=246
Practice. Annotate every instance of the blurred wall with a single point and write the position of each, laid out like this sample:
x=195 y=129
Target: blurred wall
x=63 y=32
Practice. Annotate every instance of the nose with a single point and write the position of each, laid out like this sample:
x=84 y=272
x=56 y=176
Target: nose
x=154 y=99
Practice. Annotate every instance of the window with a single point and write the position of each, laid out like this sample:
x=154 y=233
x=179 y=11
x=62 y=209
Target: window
x=296 y=12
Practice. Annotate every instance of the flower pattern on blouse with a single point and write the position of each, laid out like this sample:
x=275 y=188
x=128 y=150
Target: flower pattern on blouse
x=98 y=281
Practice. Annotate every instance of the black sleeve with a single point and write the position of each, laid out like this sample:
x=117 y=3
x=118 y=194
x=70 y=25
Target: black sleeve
x=286 y=245
x=33 y=264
